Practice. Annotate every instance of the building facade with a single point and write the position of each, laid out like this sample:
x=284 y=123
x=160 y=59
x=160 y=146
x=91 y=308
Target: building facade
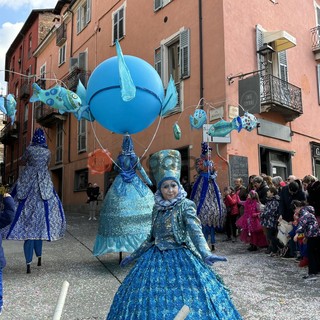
x=226 y=57
x=20 y=73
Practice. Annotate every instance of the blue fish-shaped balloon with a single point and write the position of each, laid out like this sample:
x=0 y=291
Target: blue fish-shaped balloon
x=58 y=98
x=249 y=121
x=198 y=119
x=177 y=131
x=84 y=111
x=8 y=106
x=222 y=127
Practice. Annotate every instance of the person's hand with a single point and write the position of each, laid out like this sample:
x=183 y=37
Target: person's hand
x=295 y=238
x=210 y=260
x=127 y=260
x=6 y=195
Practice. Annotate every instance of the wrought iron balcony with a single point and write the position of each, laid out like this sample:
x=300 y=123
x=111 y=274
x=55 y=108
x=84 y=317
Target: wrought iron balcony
x=25 y=90
x=9 y=133
x=315 y=39
x=280 y=96
x=61 y=35
x=71 y=80
x=47 y=116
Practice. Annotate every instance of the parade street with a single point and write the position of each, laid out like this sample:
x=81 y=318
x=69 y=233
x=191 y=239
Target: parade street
x=262 y=287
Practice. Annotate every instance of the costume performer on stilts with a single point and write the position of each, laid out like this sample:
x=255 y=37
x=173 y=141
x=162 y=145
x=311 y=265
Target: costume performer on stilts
x=125 y=216
x=206 y=195
x=173 y=266
x=39 y=213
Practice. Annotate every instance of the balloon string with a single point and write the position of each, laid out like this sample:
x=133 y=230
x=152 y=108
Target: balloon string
x=106 y=150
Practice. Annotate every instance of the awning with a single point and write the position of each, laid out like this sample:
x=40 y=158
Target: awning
x=282 y=40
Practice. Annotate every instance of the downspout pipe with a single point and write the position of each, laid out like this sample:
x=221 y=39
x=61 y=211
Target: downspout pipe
x=200 y=53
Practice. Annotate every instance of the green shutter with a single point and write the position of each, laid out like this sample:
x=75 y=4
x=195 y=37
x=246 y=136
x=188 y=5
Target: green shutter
x=158 y=61
x=185 y=54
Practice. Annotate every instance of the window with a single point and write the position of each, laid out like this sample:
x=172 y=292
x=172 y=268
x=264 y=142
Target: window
x=62 y=55
x=59 y=137
x=172 y=58
x=80 y=180
x=83 y=15
x=43 y=75
x=118 y=23
x=82 y=135
x=158 y=4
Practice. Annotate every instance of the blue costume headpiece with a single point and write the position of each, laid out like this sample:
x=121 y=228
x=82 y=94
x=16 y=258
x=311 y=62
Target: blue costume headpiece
x=166 y=165
x=204 y=149
x=127 y=145
x=39 y=138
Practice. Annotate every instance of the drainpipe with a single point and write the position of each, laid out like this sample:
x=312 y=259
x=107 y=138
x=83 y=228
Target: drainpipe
x=69 y=117
x=201 y=52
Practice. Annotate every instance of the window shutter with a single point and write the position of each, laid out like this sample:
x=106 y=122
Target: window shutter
x=83 y=60
x=157 y=5
x=283 y=66
x=73 y=63
x=185 y=54
x=318 y=80
x=79 y=20
x=88 y=13
x=259 y=41
x=158 y=61
x=318 y=16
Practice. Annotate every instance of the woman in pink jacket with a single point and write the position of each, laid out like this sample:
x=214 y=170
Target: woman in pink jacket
x=231 y=203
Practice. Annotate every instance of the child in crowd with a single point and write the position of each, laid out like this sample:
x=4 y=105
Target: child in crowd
x=251 y=229
x=231 y=202
x=6 y=217
x=308 y=225
x=269 y=220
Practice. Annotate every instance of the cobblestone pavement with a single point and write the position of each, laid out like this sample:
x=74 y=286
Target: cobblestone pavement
x=262 y=287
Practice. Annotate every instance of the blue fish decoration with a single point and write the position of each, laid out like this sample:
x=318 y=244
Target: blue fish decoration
x=223 y=127
x=171 y=99
x=198 y=119
x=59 y=98
x=8 y=106
x=84 y=112
x=249 y=121
x=177 y=131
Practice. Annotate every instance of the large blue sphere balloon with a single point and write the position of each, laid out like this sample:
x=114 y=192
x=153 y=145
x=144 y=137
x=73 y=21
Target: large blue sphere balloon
x=106 y=104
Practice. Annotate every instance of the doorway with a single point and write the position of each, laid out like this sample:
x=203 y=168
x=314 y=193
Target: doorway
x=274 y=162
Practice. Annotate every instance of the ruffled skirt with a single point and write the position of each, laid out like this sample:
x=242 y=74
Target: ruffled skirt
x=36 y=218
x=161 y=282
x=125 y=217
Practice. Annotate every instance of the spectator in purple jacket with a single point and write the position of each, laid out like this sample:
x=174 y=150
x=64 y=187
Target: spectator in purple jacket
x=308 y=225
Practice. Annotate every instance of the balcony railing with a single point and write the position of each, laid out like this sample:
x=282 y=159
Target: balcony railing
x=25 y=90
x=61 y=35
x=72 y=79
x=47 y=116
x=315 y=38
x=9 y=133
x=280 y=96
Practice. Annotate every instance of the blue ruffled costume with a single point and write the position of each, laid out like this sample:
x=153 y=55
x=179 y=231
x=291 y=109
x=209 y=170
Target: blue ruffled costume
x=39 y=211
x=125 y=216
x=170 y=271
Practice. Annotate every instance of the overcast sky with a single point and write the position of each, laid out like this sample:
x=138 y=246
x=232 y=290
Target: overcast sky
x=13 y=14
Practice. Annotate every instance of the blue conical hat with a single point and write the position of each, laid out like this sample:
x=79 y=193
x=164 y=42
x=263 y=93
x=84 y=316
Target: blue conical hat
x=166 y=165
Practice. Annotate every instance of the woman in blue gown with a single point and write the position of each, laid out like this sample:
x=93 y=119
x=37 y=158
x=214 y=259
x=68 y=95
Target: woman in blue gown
x=206 y=195
x=173 y=266
x=39 y=213
x=125 y=216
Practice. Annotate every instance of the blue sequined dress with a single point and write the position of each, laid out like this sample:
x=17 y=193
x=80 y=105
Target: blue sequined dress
x=39 y=212
x=171 y=273
x=125 y=216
